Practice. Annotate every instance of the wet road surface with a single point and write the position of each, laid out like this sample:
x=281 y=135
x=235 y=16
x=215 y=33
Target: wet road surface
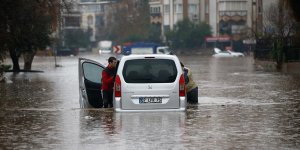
x=239 y=108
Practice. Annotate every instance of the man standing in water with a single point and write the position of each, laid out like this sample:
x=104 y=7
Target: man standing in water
x=108 y=76
x=191 y=86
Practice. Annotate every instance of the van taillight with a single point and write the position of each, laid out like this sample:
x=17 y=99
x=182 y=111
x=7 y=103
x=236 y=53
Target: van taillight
x=117 y=86
x=181 y=86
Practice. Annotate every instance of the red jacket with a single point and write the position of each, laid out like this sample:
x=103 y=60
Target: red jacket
x=108 y=75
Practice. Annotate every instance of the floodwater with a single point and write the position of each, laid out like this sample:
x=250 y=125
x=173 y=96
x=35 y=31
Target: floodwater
x=239 y=108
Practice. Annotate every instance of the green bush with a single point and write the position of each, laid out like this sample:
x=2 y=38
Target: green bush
x=5 y=67
x=188 y=35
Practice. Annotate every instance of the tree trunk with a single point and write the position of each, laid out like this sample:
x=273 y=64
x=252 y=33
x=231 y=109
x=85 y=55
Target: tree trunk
x=279 y=65
x=15 y=60
x=28 y=58
x=279 y=60
x=1 y=72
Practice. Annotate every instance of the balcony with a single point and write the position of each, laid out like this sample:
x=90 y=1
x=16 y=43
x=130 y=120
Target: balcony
x=155 y=14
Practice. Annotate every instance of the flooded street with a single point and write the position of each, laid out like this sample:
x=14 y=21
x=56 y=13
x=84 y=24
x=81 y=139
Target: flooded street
x=239 y=108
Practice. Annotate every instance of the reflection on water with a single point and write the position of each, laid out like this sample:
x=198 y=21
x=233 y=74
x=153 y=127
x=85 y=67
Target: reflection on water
x=131 y=130
x=239 y=108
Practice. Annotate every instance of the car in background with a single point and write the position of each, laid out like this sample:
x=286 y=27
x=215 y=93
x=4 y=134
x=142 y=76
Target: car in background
x=105 y=47
x=151 y=82
x=67 y=51
x=82 y=49
x=163 y=50
x=145 y=48
x=227 y=53
x=105 y=51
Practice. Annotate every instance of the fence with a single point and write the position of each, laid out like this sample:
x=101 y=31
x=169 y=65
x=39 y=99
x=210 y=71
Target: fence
x=263 y=51
x=293 y=54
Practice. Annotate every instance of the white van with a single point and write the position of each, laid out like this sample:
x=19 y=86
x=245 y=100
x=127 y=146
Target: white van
x=151 y=82
x=105 y=47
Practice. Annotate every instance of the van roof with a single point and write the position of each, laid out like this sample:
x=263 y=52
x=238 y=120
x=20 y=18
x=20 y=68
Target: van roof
x=142 y=55
x=149 y=55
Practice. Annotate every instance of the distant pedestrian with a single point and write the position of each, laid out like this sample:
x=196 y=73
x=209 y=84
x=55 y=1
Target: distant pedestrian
x=191 y=86
x=108 y=76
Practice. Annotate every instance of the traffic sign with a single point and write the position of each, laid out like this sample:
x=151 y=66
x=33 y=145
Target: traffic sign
x=117 y=49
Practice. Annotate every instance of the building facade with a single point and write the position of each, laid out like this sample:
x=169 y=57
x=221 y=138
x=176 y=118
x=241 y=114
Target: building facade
x=87 y=15
x=226 y=17
x=167 y=13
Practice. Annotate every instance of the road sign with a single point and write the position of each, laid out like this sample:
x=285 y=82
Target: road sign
x=117 y=49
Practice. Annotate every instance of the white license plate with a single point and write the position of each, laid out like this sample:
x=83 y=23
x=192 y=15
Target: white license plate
x=143 y=100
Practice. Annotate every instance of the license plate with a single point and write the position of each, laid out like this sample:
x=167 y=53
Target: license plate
x=143 y=100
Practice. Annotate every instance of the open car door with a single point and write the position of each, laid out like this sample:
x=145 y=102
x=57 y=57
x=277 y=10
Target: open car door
x=90 y=75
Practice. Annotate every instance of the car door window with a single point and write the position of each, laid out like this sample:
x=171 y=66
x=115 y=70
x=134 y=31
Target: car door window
x=92 y=72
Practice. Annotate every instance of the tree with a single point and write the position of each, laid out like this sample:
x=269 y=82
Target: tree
x=155 y=33
x=4 y=30
x=188 y=35
x=129 y=21
x=77 y=38
x=294 y=6
x=279 y=27
x=26 y=26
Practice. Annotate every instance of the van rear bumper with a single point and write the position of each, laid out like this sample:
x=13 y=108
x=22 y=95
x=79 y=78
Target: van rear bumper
x=149 y=110
x=182 y=108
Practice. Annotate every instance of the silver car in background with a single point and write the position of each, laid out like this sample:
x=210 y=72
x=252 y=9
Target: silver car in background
x=152 y=82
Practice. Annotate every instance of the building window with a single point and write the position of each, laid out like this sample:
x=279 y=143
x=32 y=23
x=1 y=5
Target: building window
x=232 y=5
x=90 y=20
x=92 y=8
x=154 y=10
x=167 y=9
x=178 y=8
x=193 y=8
x=99 y=21
x=236 y=29
x=72 y=21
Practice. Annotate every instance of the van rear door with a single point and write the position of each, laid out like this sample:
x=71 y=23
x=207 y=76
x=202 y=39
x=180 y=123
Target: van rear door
x=150 y=84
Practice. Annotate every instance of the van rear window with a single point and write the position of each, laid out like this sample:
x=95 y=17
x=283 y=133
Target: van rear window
x=149 y=71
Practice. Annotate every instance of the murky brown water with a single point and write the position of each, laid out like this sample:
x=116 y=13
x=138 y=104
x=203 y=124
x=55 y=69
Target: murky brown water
x=239 y=108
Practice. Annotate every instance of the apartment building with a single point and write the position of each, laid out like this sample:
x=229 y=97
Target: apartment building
x=167 y=13
x=227 y=17
x=89 y=15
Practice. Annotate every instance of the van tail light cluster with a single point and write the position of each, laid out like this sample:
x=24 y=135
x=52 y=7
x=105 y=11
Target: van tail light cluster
x=181 y=86
x=117 y=88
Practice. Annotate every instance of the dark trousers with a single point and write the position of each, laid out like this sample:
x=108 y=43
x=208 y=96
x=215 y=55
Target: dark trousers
x=107 y=99
x=192 y=96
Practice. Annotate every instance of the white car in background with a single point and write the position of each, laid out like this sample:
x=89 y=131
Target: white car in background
x=105 y=47
x=163 y=50
x=227 y=53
